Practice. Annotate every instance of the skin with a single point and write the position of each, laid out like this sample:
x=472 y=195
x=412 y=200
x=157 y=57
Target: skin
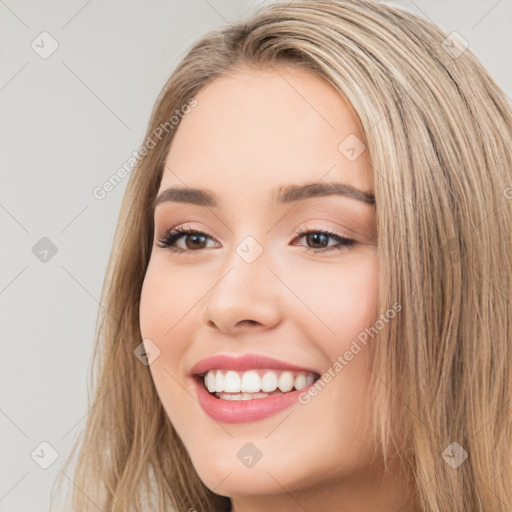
x=253 y=131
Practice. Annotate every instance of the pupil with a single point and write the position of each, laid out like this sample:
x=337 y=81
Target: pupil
x=314 y=237
x=195 y=238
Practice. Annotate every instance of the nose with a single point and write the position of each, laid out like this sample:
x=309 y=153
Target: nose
x=246 y=296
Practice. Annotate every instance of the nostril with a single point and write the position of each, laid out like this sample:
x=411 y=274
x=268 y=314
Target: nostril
x=242 y=323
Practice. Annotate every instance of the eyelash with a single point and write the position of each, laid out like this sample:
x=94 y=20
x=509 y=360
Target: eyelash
x=169 y=238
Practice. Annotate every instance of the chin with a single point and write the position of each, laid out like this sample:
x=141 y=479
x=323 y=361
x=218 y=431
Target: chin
x=262 y=479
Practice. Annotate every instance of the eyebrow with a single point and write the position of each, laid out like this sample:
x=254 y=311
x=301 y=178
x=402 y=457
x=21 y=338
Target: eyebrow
x=285 y=194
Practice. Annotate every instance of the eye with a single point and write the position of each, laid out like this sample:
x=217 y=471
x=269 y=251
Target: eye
x=319 y=238
x=195 y=240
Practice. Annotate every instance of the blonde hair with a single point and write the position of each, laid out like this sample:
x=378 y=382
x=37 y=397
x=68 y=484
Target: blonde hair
x=439 y=132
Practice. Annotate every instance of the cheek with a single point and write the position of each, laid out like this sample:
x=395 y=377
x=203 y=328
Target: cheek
x=165 y=318
x=167 y=297
x=165 y=309
x=341 y=299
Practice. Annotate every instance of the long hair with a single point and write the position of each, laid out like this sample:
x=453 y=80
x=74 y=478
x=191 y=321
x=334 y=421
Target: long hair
x=439 y=132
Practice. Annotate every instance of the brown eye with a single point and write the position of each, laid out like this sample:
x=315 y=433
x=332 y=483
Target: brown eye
x=194 y=240
x=318 y=240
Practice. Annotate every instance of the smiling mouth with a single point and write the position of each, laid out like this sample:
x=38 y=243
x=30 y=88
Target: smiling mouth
x=234 y=385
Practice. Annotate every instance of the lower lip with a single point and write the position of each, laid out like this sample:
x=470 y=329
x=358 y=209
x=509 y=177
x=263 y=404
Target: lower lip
x=239 y=411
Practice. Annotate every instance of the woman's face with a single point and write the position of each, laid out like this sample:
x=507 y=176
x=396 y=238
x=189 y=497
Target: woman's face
x=251 y=285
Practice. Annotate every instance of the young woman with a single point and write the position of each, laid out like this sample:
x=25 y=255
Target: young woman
x=308 y=303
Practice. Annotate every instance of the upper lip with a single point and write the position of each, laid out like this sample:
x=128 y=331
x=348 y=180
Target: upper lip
x=244 y=362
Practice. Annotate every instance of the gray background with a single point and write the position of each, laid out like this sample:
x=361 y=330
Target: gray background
x=68 y=123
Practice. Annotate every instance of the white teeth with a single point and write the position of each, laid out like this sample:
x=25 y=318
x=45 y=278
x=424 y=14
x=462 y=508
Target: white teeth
x=269 y=382
x=251 y=382
x=300 y=381
x=286 y=381
x=242 y=396
x=246 y=385
x=210 y=382
x=259 y=395
x=227 y=396
x=231 y=382
x=219 y=382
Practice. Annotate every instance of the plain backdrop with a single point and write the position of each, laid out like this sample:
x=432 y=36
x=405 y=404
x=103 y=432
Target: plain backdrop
x=69 y=120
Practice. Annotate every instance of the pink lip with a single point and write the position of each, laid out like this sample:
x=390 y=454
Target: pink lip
x=226 y=411
x=244 y=362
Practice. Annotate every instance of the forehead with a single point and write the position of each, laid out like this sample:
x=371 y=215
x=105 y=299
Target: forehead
x=255 y=130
